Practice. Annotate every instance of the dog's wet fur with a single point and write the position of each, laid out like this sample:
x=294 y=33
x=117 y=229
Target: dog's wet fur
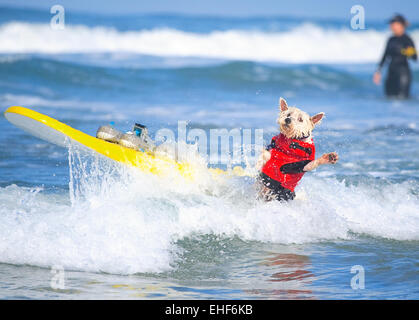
x=296 y=124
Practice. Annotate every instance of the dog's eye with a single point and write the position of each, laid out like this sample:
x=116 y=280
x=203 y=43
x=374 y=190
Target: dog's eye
x=289 y=115
x=300 y=119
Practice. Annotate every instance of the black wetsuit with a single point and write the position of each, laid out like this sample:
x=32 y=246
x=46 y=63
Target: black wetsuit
x=399 y=76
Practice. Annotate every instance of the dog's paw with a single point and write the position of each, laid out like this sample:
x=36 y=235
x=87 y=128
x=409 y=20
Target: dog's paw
x=331 y=157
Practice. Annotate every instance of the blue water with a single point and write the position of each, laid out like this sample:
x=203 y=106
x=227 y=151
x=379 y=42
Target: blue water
x=124 y=234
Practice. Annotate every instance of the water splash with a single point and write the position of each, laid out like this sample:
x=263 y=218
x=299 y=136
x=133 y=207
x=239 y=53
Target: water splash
x=122 y=220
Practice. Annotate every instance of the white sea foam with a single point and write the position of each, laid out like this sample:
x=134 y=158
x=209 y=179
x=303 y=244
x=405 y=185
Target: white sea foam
x=125 y=221
x=305 y=43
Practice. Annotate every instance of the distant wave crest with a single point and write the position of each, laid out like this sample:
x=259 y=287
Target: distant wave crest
x=307 y=43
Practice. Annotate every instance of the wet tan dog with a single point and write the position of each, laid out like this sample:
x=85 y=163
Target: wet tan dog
x=290 y=154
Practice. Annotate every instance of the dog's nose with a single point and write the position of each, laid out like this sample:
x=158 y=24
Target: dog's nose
x=287 y=120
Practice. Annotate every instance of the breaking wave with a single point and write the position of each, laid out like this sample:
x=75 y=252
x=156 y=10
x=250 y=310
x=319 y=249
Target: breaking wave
x=305 y=43
x=124 y=221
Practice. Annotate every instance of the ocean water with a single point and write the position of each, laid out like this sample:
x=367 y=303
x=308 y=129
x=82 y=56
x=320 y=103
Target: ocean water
x=116 y=233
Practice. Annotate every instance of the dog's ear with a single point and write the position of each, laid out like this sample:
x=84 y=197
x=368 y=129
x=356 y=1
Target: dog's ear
x=316 y=119
x=283 y=106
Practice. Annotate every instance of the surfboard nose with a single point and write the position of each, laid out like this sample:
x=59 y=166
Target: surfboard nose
x=37 y=124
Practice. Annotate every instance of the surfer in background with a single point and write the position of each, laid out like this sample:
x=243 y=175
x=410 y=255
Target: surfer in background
x=399 y=48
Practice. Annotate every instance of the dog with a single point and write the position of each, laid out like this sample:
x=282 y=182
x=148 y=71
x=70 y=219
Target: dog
x=290 y=154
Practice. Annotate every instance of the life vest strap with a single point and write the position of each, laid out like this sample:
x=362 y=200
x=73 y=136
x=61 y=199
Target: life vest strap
x=294 y=145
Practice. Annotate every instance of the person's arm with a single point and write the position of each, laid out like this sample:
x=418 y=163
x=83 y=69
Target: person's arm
x=377 y=74
x=414 y=55
x=384 y=58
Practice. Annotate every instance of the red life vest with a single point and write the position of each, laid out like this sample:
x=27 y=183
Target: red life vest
x=285 y=150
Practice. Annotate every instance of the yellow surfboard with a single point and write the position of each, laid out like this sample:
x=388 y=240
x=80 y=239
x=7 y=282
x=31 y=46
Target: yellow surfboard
x=56 y=132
